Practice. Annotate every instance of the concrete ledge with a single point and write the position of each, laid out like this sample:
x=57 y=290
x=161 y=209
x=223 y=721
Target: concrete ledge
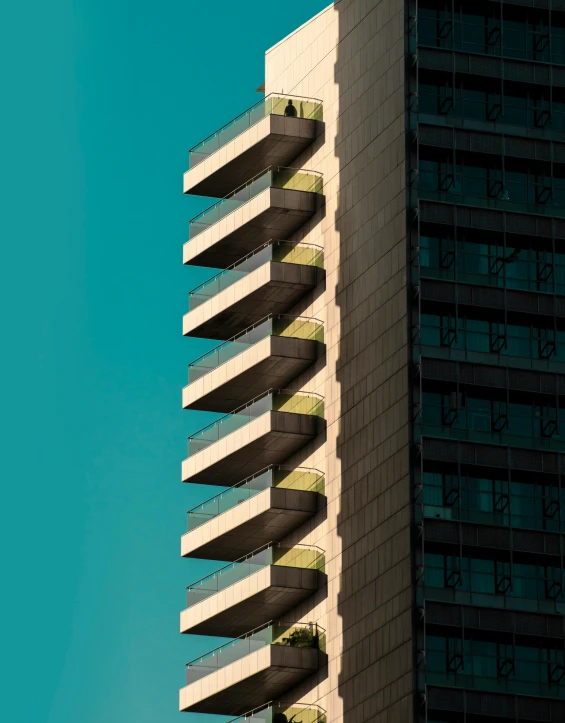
x=268 y=516
x=265 y=595
x=271 y=363
x=273 y=141
x=271 y=289
x=270 y=439
x=275 y=213
x=266 y=674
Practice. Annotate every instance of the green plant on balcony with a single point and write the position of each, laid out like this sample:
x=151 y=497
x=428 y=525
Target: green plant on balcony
x=301 y=638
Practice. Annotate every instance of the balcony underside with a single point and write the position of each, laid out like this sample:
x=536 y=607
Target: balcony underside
x=270 y=439
x=273 y=141
x=267 y=674
x=269 y=516
x=268 y=594
x=271 y=289
x=270 y=364
x=275 y=213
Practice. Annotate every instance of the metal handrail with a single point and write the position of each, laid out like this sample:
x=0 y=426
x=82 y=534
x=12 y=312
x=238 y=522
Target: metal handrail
x=252 y=401
x=252 y=632
x=255 y=105
x=270 y=242
x=253 y=476
x=248 y=329
x=266 y=546
x=250 y=181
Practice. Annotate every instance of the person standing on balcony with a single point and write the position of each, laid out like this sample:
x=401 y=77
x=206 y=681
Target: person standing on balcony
x=290 y=110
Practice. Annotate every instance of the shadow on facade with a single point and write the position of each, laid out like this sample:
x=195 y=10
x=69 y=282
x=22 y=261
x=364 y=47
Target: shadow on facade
x=374 y=600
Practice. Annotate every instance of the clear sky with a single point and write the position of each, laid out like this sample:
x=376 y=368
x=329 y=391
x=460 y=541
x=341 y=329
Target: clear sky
x=101 y=101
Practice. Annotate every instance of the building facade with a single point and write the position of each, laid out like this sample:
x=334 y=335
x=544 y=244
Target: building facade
x=390 y=319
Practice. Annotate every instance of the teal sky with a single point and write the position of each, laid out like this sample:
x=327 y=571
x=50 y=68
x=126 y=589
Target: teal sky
x=102 y=100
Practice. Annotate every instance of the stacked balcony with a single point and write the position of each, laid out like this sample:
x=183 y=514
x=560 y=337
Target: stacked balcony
x=264 y=663
x=272 y=205
x=247 y=378
x=267 y=505
x=264 y=585
x=486 y=196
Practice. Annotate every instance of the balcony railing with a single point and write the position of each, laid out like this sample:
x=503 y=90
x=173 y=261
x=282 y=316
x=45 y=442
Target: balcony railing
x=286 y=252
x=506 y=589
x=301 y=556
x=525 y=670
x=297 y=635
x=504 y=111
x=293 y=478
x=295 y=327
x=271 y=104
x=515 y=430
x=488 y=502
x=525 y=352
x=475 y=187
x=498 y=269
x=309 y=403
x=273 y=177
x=283 y=713
x=493 y=37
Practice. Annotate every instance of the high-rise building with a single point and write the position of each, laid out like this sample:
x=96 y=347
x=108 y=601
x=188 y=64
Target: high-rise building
x=390 y=320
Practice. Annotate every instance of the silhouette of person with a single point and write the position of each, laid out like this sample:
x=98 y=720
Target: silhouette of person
x=290 y=110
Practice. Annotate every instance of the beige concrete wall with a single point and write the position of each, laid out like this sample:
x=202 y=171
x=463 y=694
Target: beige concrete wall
x=352 y=57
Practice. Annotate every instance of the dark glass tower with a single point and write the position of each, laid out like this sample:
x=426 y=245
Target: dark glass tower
x=486 y=221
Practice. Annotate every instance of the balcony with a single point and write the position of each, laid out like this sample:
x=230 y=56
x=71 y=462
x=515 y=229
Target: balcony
x=268 y=355
x=485 y=342
x=269 y=280
x=272 y=205
x=516 y=268
x=493 y=666
x=261 y=665
x=487 y=187
x=266 y=431
x=261 y=136
x=283 y=713
x=257 y=588
x=266 y=506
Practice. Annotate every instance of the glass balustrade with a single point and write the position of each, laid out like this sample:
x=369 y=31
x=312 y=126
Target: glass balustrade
x=468 y=105
x=297 y=635
x=272 y=104
x=480 y=186
x=283 y=713
x=273 y=177
x=508 y=37
x=286 y=252
x=543 y=352
x=493 y=502
x=494 y=666
x=493 y=583
x=494 y=266
x=534 y=430
x=294 y=478
x=295 y=327
x=272 y=401
x=300 y=556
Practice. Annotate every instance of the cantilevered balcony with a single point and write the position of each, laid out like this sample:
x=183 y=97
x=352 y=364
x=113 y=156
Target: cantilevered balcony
x=267 y=506
x=269 y=280
x=271 y=205
x=264 y=585
x=280 y=712
x=267 y=430
x=265 y=356
x=261 y=136
x=261 y=665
